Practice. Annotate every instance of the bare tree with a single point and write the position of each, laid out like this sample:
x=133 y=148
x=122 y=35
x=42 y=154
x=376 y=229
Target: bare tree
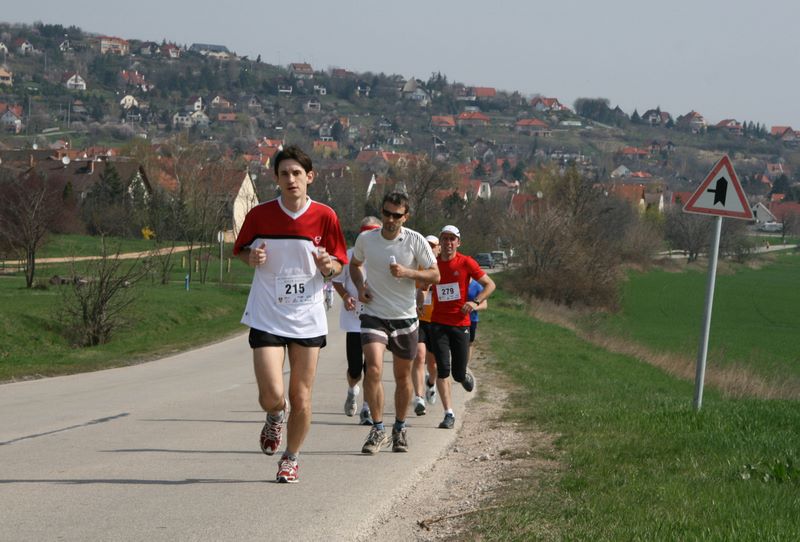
x=201 y=205
x=687 y=232
x=790 y=225
x=93 y=306
x=421 y=179
x=29 y=207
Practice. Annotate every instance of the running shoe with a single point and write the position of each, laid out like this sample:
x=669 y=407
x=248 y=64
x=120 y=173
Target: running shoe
x=419 y=406
x=448 y=422
x=469 y=382
x=365 y=417
x=399 y=440
x=376 y=440
x=271 y=436
x=287 y=471
x=350 y=406
x=430 y=392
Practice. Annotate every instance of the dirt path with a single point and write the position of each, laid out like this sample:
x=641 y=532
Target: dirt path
x=489 y=455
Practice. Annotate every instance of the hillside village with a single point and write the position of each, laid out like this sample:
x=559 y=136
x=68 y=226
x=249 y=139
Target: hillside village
x=73 y=104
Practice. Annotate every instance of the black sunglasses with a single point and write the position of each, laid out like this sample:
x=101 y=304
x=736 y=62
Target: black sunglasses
x=396 y=216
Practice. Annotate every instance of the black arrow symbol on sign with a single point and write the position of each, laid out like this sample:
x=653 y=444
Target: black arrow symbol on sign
x=720 y=191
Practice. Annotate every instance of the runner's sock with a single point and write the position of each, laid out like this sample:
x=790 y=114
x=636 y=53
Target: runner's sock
x=398 y=425
x=378 y=425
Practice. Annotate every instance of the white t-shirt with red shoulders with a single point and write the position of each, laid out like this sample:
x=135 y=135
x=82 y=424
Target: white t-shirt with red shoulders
x=451 y=292
x=286 y=296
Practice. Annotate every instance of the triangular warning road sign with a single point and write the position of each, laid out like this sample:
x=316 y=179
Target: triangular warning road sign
x=720 y=194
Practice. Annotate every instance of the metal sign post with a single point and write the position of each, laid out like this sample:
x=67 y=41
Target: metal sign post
x=221 y=239
x=702 y=353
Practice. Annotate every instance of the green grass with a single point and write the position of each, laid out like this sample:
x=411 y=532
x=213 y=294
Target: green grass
x=755 y=319
x=635 y=461
x=164 y=319
x=65 y=246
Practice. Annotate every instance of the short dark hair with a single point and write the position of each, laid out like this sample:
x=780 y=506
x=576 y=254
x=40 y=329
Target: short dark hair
x=397 y=198
x=292 y=152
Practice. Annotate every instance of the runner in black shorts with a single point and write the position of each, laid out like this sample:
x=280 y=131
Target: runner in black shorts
x=396 y=257
x=451 y=320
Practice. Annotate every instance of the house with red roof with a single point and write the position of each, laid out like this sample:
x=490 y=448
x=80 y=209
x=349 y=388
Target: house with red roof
x=472 y=118
x=443 y=123
x=301 y=70
x=732 y=126
x=784 y=211
x=110 y=45
x=484 y=92
x=133 y=79
x=784 y=133
x=170 y=50
x=634 y=153
x=534 y=127
x=540 y=103
x=693 y=121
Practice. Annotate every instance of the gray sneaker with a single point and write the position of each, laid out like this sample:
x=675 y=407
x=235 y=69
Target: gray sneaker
x=350 y=406
x=469 y=382
x=419 y=406
x=448 y=422
x=399 y=440
x=376 y=440
x=365 y=418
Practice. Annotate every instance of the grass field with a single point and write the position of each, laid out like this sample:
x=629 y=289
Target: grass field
x=635 y=462
x=65 y=246
x=164 y=319
x=755 y=319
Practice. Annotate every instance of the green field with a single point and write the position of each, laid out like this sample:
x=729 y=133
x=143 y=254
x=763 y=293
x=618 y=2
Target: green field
x=164 y=319
x=66 y=246
x=755 y=319
x=633 y=460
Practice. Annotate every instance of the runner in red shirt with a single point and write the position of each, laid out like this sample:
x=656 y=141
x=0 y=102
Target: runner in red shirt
x=450 y=319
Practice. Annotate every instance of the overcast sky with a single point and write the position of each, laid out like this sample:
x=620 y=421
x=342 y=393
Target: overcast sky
x=724 y=58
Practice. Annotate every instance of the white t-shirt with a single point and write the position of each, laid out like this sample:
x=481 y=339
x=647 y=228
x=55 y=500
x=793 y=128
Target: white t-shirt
x=348 y=320
x=392 y=297
x=286 y=295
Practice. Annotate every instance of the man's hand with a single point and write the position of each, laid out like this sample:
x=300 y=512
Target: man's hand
x=258 y=256
x=364 y=295
x=323 y=261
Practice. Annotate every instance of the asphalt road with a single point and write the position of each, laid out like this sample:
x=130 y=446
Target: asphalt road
x=168 y=450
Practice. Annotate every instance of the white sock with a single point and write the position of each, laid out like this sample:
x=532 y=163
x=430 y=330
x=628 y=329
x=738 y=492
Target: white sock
x=355 y=390
x=449 y=411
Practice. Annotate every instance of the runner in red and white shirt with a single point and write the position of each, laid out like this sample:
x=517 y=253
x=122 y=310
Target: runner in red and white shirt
x=450 y=320
x=293 y=243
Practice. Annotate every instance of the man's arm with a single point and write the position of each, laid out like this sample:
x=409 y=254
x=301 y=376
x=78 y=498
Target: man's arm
x=429 y=276
x=357 y=276
x=480 y=303
x=349 y=301
x=488 y=287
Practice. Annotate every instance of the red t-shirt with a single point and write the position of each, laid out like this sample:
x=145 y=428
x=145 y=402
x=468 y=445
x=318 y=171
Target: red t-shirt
x=451 y=292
